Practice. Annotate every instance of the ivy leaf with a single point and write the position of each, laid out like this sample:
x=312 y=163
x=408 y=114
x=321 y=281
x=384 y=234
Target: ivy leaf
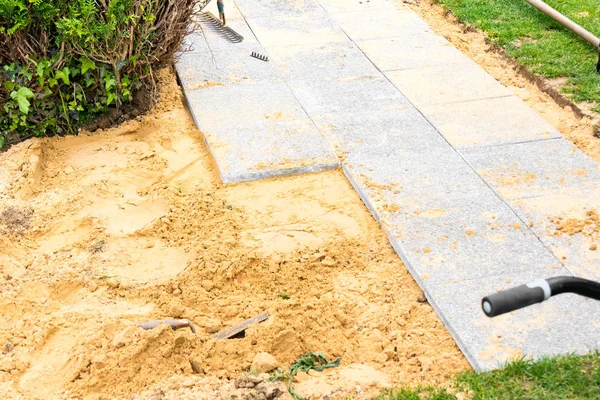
x=21 y=96
x=1 y=141
x=110 y=83
x=41 y=71
x=111 y=98
x=86 y=65
x=64 y=75
x=23 y=105
x=42 y=66
x=25 y=92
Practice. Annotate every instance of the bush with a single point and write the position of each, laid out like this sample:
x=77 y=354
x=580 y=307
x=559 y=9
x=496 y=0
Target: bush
x=65 y=63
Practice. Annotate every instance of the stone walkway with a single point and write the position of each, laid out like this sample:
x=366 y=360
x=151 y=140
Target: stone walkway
x=463 y=177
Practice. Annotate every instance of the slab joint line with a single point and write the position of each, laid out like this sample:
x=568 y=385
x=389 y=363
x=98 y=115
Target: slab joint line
x=461 y=156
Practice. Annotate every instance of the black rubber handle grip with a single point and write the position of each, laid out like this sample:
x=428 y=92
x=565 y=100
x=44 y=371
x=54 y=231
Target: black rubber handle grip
x=512 y=299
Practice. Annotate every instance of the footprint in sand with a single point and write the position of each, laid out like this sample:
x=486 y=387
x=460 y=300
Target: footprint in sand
x=51 y=368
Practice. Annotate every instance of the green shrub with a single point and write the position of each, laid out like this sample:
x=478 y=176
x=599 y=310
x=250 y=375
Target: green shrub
x=65 y=63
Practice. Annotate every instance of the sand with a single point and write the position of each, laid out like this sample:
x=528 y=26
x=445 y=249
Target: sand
x=104 y=231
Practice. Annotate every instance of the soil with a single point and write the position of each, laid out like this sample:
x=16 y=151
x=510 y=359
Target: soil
x=574 y=121
x=107 y=230
x=588 y=226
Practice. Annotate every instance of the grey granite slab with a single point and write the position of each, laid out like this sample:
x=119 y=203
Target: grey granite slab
x=448 y=223
x=203 y=69
x=268 y=149
x=323 y=62
x=350 y=95
x=381 y=23
x=475 y=237
x=433 y=176
x=336 y=6
x=572 y=209
x=563 y=324
x=258 y=131
x=243 y=104
x=309 y=9
x=379 y=134
x=489 y=122
x=447 y=83
x=416 y=50
x=534 y=168
x=194 y=42
x=286 y=31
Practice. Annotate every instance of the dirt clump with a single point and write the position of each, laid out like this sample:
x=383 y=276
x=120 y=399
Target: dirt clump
x=588 y=226
x=246 y=387
x=131 y=224
x=15 y=220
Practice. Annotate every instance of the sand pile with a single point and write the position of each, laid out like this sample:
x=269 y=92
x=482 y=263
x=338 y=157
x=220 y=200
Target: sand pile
x=107 y=230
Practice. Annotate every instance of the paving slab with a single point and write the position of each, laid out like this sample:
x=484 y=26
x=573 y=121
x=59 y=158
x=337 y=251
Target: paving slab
x=242 y=104
x=380 y=23
x=410 y=51
x=578 y=251
x=489 y=122
x=447 y=83
x=381 y=133
x=323 y=63
x=450 y=226
x=536 y=168
x=281 y=8
x=359 y=95
x=336 y=6
x=257 y=131
x=286 y=31
x=199 y=70
x=564 y=324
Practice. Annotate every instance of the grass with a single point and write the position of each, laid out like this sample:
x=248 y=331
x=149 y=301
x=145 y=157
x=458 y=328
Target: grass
x=428 y=393
x=539 y=43
x=561 y=377
x=309 y=361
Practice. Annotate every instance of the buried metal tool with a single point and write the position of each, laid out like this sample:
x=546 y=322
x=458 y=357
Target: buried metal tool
x=259 y=56
x=174 y=323
x=238 y=329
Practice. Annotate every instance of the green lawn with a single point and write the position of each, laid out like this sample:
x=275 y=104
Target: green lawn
x=562 y=377
x=539 y=43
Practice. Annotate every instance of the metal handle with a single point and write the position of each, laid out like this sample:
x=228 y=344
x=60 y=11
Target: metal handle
x=515 y=298
x=536 y=292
